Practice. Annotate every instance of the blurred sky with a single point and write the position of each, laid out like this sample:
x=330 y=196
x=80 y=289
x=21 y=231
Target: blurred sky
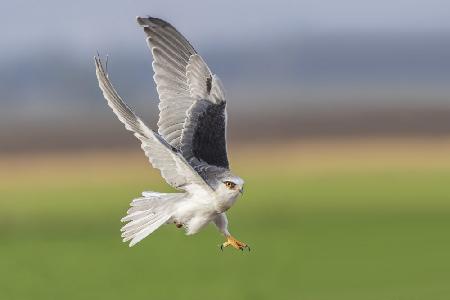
x=311 y=66
x=87 y=25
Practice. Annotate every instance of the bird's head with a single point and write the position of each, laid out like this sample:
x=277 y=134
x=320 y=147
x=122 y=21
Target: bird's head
x=226 y=183
x=232 y=184
x=227 y=187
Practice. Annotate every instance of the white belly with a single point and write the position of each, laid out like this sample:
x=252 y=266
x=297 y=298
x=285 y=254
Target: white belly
x=194 y=213
x=199 y=209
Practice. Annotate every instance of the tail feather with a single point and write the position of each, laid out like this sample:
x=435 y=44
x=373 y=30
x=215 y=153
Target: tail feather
x=147 y=214
x=134 y=216
x=144 y=219
x=146 y=231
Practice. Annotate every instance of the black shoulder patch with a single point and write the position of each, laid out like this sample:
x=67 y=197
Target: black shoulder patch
x=209 y=142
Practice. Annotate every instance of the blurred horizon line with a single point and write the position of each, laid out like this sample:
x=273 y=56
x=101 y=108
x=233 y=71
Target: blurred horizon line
x=104 y=131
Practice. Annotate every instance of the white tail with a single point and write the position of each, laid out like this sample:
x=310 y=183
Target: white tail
x=147 y=214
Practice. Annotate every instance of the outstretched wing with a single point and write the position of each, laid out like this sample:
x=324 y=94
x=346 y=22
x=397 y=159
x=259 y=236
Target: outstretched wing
x=174 y=168
x=171 y=53
x=192 y=103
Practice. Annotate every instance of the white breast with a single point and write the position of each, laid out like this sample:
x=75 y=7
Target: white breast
x=201 y=206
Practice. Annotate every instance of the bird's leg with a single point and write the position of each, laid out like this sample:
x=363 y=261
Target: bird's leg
x=221 y=222
x=231 y=241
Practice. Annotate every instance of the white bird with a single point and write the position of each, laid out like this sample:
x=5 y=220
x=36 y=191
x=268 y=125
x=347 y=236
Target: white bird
x=190 y=146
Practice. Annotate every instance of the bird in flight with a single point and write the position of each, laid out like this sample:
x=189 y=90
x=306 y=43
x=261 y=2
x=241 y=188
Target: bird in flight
x=190 y=146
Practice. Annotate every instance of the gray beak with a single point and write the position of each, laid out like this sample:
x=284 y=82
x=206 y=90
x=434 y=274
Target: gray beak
x=241 y=191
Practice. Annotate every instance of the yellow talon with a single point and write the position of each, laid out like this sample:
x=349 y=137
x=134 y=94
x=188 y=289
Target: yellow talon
x=231 y=241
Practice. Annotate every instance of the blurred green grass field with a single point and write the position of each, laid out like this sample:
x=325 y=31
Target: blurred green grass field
x=325 y=221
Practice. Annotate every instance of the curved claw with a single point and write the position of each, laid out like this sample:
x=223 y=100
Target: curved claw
x=231 y=241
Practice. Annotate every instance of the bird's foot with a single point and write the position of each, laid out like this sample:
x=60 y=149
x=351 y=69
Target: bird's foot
x=231 y=241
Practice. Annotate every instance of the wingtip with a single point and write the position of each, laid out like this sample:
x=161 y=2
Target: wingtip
x=97 y=56
x=139 y=20
x=98 y=60
x=145 y=21
x=151 y=21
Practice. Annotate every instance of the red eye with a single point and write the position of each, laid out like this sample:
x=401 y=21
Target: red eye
x=230 y=184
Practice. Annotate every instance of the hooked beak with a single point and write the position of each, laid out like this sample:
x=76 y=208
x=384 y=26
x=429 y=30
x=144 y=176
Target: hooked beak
x=241 y=191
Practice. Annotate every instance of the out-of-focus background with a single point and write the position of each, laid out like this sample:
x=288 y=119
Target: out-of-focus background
x=339 y=121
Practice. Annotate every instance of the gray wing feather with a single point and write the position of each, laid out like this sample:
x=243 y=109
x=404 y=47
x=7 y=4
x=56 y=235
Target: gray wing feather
x=217 y=90
x=174 y=168
x=171 y=54
x=192 y=104
x=202 y=83
x=199 y=77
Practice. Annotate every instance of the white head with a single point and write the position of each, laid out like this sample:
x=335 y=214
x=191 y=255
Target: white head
x=227 y=187
x=231 y=185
